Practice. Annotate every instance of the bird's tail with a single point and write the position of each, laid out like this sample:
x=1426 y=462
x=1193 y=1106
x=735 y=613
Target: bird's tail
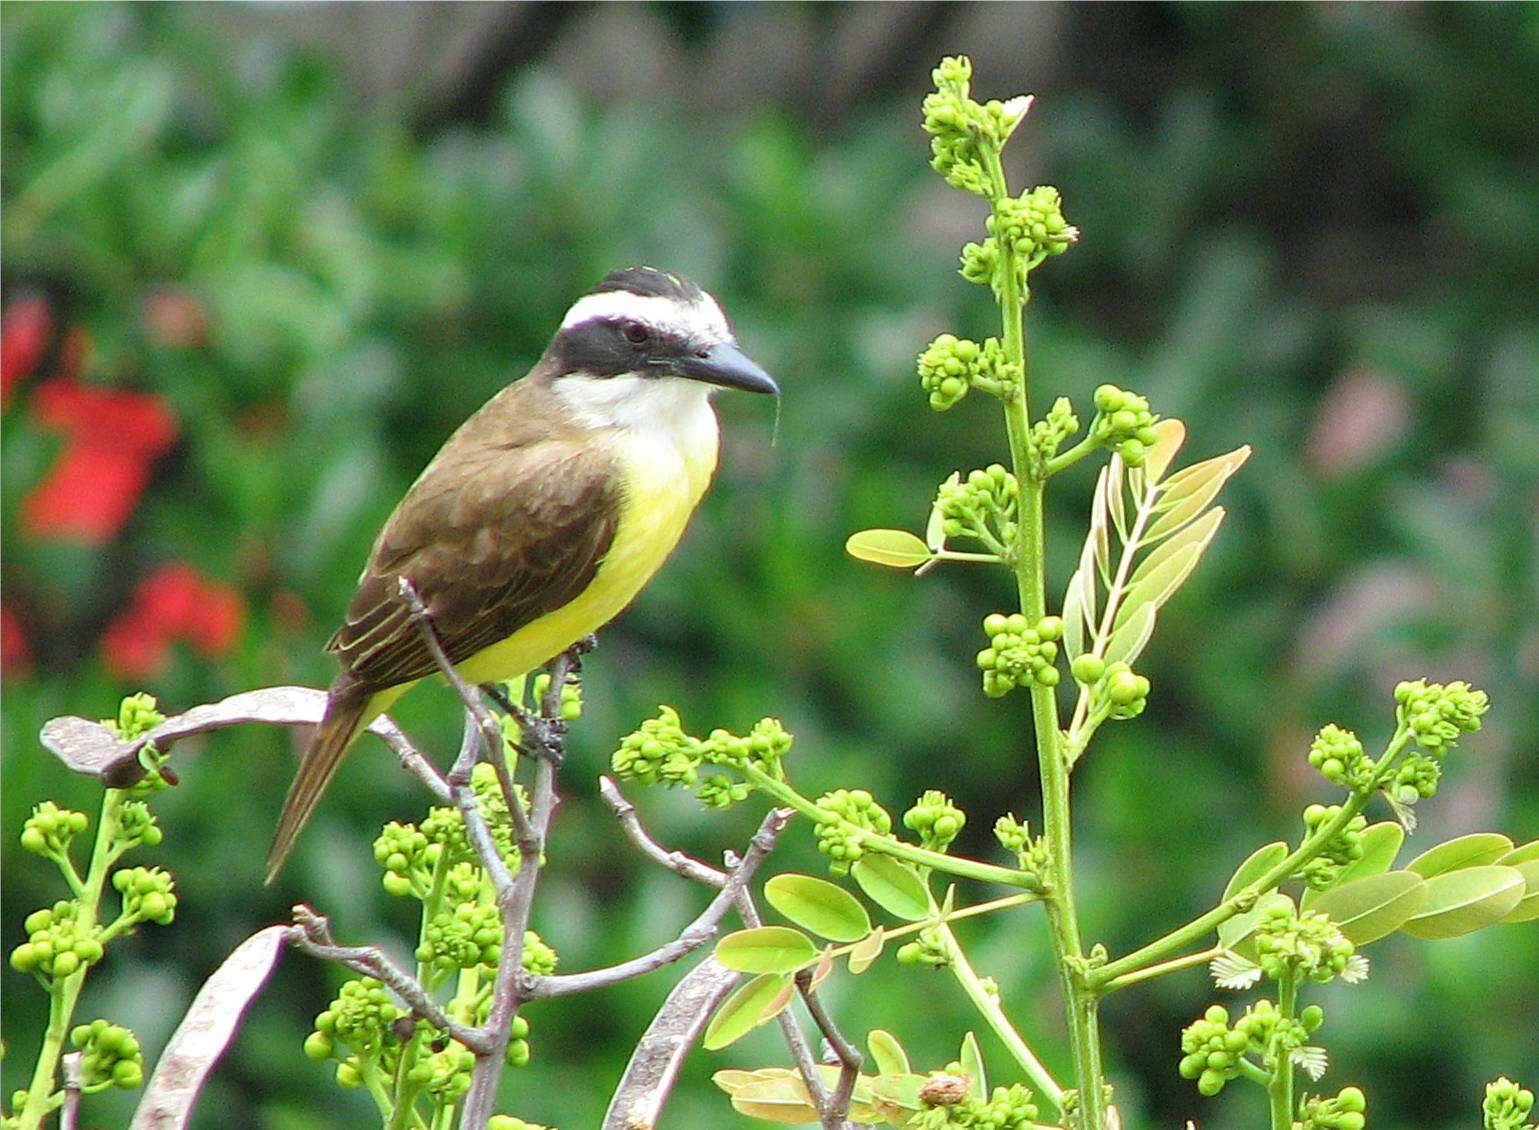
x=348 y=714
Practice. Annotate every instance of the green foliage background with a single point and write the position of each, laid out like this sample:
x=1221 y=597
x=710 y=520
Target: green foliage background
x=1310 y=229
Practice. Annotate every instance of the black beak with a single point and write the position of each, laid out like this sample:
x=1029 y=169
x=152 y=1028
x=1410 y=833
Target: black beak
x=727 y=366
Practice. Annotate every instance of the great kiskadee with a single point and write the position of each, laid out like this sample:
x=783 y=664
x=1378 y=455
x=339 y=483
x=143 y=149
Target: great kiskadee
x=543 y=515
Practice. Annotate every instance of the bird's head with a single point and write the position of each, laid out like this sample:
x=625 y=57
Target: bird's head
x=642 y=326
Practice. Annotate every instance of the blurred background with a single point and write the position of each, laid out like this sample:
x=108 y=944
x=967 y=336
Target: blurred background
x=260 y=260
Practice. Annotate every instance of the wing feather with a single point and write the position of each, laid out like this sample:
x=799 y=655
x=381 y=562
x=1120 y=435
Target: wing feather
x=492 y=539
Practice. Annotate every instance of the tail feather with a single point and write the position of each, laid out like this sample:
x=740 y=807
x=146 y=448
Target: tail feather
x=347 y=715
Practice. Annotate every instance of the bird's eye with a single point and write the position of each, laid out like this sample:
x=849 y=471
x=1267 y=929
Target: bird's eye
x=635 y=332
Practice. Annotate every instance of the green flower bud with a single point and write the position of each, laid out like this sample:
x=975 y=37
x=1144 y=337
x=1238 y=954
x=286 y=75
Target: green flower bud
x=1088 y=668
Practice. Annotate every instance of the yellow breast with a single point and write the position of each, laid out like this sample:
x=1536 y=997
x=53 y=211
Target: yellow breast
x=665 y=473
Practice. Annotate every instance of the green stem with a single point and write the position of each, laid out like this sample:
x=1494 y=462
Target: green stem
x=1149 y=972
x=369 y=1069
x=404 y=1099
x=1280 y=1088
x=1067 y=459
x=1238 y=903
x=988 y=1007
x=888 y=845
x=1080 y=1003
x=65 y=994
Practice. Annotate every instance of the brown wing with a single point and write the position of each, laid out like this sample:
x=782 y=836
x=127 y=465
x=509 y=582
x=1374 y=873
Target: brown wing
x=492 y=537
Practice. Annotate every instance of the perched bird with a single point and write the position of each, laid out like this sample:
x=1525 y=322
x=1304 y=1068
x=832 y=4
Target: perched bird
x=543 y=515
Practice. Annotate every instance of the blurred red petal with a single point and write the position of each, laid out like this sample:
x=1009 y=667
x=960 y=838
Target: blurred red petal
x=218 y=620
x=115 y=437
x=171 y=597
x=87 y=497
x=24 y=332
x=15 y=648
x=135 y=647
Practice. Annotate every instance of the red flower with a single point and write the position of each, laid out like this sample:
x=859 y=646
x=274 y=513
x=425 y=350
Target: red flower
x=24 y=332
x=114 y=438
x=174 y=603
x=15 y=648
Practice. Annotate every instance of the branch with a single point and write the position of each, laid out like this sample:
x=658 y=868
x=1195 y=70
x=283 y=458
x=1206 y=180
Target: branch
x=312 y=933
x=691 y=938
x=691 y=868
x=91 y=748
x=837 y=1109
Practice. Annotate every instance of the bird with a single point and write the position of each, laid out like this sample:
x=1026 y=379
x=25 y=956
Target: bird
x=543 y=515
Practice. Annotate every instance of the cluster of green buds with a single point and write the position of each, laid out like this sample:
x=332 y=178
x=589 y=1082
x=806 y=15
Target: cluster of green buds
x=1507 y=1106
x=445 y=1074
x=1019 y=652
x=1437 y=714
x=960 y=127
x=58 y=943
x=1124 y=424
x=1049 y=433
x=951 y=366
x=1339 y=756
x=662 y=752
x=1344 y=1112
x=462 y=937
x=1016 y=838
x=110 y=1056
x=983 y=506
x=1032 y=225
x=1115 y=687
x=360 y=1019
x=50 y=829
x=927 y=948
x=411 y=853
x=149 y=895
x=947 y=1103
x=1345 y=847
x=936 y=819
x=856 y=813
x=1213 y=1050
x=138 y=714
x=1305 y=944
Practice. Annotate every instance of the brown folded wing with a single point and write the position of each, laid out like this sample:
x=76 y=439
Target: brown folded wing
x=493 y=538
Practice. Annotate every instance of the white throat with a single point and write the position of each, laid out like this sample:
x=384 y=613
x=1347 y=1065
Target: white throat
x=658 y=407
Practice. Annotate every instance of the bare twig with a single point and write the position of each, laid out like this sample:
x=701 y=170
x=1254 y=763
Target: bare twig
x=837 y=1110
x=691 y=938
x=69 y=1116
x=833 y=1109
x=312 y=933
x=677 y=861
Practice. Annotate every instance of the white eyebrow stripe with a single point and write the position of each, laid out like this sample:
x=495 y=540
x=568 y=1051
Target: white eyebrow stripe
x=702 y=318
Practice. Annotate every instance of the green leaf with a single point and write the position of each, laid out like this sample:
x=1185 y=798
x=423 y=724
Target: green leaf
x=896 y=549
x=743 y=1011
x=1367 y=909
x=1474 y=850
x=819 y=906
x=887 y=1053
x=1463 y=901
x=867 y=950
x=1381 y=843
x=1524 y=854
x=972 y=1066
x=1165 y=570
x=893 y=886
x=1257 y=864
x=781 y=1099
x=766 y=949
x=1188 y=492
x=1528 y=906
x=897 y=1096
x=1172 y=434
x=1130 y=637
